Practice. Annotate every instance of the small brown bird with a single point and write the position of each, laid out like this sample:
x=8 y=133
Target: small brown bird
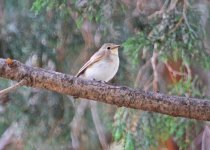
x=103 y=65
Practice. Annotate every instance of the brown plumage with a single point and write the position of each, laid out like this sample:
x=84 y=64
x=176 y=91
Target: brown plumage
x=96 y=57
x=103 y=65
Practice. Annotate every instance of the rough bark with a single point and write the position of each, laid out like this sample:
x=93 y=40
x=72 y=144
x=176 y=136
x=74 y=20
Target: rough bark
x=116 y=95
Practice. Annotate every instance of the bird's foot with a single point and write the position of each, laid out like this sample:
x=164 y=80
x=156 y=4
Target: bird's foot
x=99 y=81
x=102 y=81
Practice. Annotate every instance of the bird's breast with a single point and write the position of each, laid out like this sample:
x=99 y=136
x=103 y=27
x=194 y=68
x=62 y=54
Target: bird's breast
x=103 y=70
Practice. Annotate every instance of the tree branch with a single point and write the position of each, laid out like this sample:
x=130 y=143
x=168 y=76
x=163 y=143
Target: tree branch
x=116 y=95
x=12 y=88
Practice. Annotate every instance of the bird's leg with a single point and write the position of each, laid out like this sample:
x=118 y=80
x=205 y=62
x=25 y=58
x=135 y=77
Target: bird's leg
x=102 y=81
x=99 y=81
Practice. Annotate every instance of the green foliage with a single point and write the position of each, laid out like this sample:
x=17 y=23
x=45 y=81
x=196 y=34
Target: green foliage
x=129 y=142
x=188 y=87
x=134 y=46
x=120 y=130
x=119 y=125
x=40 y=5
x=175 y=39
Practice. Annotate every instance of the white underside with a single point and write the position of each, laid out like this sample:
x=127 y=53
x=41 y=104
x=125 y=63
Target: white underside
x=102 y=70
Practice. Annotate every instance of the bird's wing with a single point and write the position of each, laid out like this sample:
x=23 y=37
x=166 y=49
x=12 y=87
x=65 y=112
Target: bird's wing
x=96 y=57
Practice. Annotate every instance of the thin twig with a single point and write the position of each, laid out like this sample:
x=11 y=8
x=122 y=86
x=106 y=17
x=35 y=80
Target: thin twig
x=147 y=87
x=13 y=87
x=141 y=70
x=76 y=123
x=160 y=12
x=154 y=67
x=185 y=17
x=189 y=72
x=174 y=72
x=12 y=133
x=176 y=26
x=172 y=5
x=98 y=125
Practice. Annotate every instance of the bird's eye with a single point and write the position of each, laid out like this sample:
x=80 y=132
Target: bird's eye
x=108 y=48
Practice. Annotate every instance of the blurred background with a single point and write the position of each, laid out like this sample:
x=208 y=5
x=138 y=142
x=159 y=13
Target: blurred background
x=166 y=49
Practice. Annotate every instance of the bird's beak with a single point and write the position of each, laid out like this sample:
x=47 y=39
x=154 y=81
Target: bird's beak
x=116 y=46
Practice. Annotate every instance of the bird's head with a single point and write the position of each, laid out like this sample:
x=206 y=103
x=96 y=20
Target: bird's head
x=113 y=48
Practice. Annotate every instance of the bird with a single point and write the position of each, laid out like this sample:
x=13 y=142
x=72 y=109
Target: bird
x=103 y=65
